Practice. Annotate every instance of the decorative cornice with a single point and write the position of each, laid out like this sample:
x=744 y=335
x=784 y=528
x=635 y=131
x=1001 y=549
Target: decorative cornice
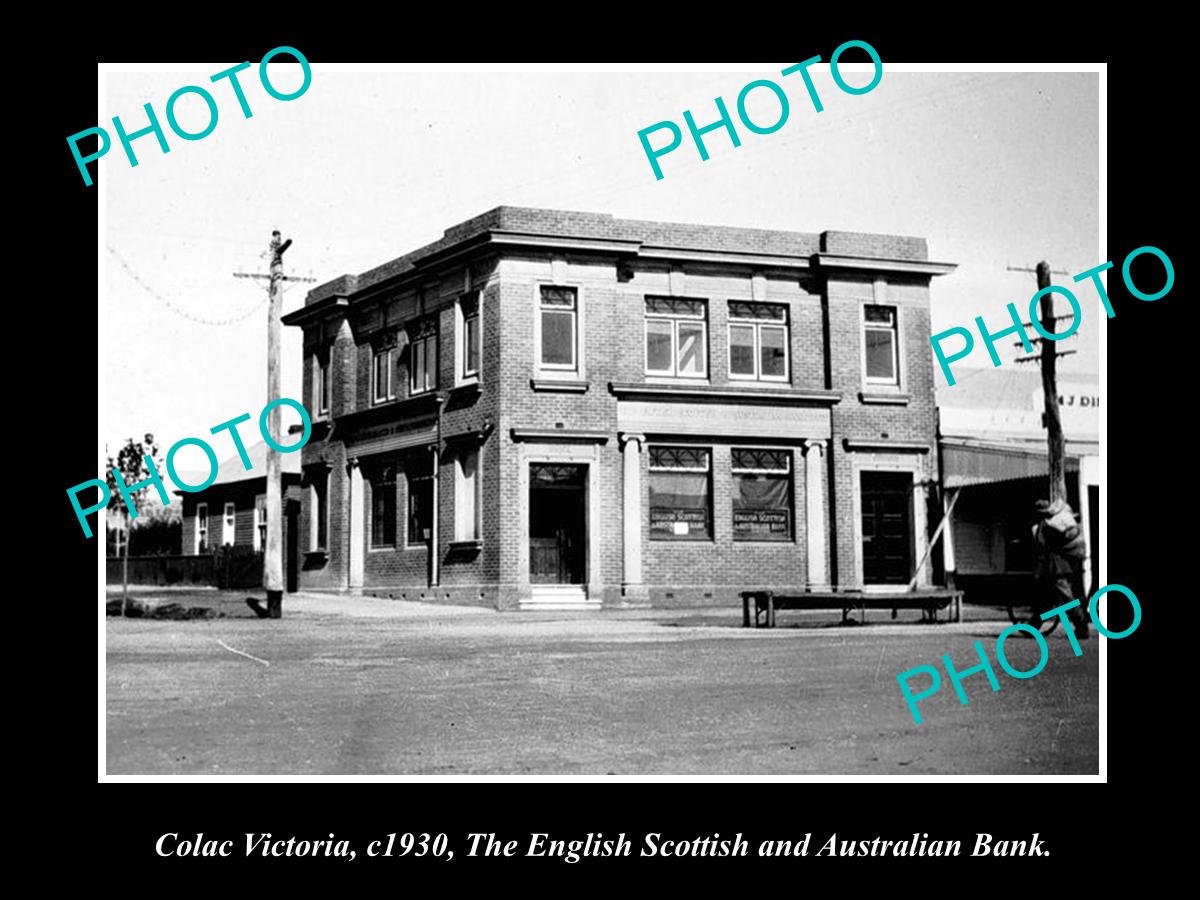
x=766 y=260
x=884 y=399
x=551 y=385
x=601 y=245
x=559 y=435
x=694 y=393
x=905 y=266
x=335 y=303
x=884 y=445
x=478 y=436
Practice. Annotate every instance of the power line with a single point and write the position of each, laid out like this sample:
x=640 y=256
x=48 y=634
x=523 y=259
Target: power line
x=175 y=308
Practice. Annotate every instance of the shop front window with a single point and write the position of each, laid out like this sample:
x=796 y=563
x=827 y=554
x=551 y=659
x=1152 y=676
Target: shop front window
x=762 y=495
x=680 y=493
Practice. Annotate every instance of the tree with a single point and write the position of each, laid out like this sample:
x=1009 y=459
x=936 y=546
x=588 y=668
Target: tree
x=131 y=462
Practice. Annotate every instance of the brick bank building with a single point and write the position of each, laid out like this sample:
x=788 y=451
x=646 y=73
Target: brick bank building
x=565 y=409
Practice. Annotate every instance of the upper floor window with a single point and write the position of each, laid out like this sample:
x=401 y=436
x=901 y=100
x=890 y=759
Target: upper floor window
x=676 y=337
x=468 y=307
x=559 y=313
x=881 y=350
x=381 y=375
x=758 y=341
x=422 y=356
x=321 y=387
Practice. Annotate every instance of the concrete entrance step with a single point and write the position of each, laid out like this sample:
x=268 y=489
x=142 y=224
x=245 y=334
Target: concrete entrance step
x=559 y=596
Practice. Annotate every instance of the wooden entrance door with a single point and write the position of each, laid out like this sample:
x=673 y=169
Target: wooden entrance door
x=557 y=523
x=887 y=540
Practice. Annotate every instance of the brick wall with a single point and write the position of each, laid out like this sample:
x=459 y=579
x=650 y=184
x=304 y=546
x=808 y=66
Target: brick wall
x=913 y=421
x=826 y=347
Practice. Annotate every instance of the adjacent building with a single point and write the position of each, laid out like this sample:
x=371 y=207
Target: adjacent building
x=547 y=408
x=995 y=466
x=232 y=511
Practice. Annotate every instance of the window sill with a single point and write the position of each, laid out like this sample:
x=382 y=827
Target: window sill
x=465 y=389
x=465 y=546
x=765 y=382
x=560 y=385
x=884 y=397
x=318 y=554
x=384 y=549
x=660 y=378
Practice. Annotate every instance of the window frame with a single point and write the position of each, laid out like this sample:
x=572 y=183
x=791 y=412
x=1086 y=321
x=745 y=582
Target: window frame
x=894 y=331
x=410 y=479
x=576 y=367
x=424 y=334
x=790 y=473
x=201 y=545
x=318 y=518
x=321 y=391
x=757 y=325
x=463 y=373
x=228 y=524
x=708 y=472
x=674 y=319
x=378 y=353
x=260 y=522
x=376 y=479
x=461 y=491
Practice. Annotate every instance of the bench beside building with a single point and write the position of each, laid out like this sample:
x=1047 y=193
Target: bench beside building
x=557 y=409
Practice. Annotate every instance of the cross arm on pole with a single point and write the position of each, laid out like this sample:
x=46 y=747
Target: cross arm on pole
x=267 y=277
x=1027 y=269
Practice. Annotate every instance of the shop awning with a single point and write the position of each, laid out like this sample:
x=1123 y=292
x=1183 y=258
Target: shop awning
x=967 y=461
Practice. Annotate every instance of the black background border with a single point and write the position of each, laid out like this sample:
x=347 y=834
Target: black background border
x=117 y=824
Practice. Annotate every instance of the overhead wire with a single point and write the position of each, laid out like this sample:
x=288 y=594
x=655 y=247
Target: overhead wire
x=174 y=307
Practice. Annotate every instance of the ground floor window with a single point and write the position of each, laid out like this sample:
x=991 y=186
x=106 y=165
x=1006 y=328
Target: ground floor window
x=680 y=493
x=418 y=471
x=466 y=495
x=319 y=510
x=229 y=531
x=201 y=528
x=260 y=522
x=383 y=506
x=762 y=495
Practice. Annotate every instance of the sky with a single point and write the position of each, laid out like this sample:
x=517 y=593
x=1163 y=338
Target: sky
x=993 y=169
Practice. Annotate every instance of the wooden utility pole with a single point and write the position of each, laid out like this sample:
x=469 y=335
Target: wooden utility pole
x=1048 y=358
x=273 y=551
x=1054 y=430
x=273 y=560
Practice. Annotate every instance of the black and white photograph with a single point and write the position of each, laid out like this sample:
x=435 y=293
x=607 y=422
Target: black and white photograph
x=603 y=421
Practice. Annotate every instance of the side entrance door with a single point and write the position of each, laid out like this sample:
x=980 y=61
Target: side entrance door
x=887 y=538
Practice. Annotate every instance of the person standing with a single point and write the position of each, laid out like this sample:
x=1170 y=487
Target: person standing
x=1061 y=549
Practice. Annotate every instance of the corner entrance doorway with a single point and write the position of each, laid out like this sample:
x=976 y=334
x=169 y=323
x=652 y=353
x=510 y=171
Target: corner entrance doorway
x=557 y=524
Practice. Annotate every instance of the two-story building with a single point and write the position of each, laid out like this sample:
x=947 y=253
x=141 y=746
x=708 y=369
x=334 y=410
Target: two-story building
x=548 y=408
